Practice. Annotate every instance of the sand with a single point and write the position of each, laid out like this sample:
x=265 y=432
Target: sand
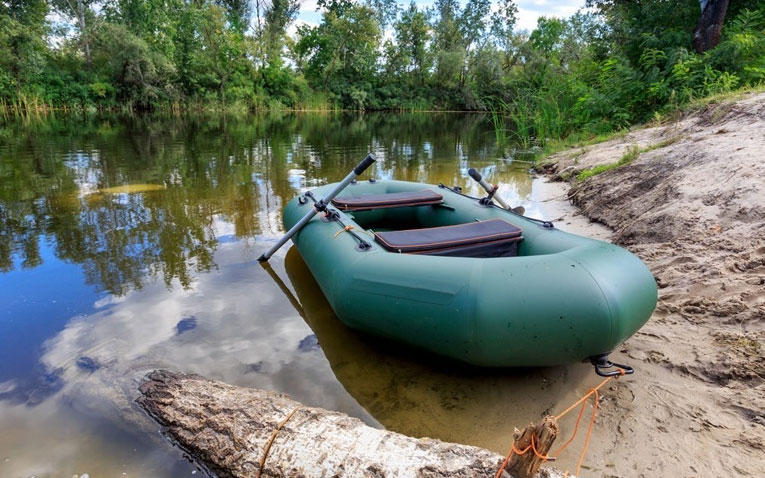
x=692 y=207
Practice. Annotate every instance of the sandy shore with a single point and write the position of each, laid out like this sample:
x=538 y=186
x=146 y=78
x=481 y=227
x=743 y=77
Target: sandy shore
x=692 y=206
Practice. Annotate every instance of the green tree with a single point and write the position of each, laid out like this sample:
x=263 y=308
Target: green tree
x=616 y=63
x=503 y=22
x=238 y=13
x=141 y=74
x=340 y=55
x=154 y=22
x=547 y=37
x=412 y=33
x=278 y=16
x=22 y=33
x=81 y=11
x=447 y=44
x=222 y=57
x=458 y=34
x=387 y=11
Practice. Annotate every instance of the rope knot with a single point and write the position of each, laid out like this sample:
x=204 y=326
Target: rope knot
x=347 y=228
x=595 y=394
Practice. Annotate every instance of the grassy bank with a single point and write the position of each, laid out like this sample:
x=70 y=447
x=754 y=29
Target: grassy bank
x=583 y=138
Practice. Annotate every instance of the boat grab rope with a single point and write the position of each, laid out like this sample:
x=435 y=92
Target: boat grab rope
x=458 y=190
x=349 y=228
x=273 y=437
x=593 y=392
x=332 y=215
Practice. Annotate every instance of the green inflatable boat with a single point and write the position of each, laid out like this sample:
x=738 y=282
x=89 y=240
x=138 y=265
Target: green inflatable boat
x=462 y=277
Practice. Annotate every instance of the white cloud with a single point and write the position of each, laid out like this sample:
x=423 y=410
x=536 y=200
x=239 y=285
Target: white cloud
x=309 y=6
x=292 y=28
x=528 y=11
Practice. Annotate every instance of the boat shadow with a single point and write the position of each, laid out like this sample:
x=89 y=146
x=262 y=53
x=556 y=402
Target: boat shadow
x=421 y=394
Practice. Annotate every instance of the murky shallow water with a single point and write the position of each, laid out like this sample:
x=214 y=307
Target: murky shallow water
x=129 y=244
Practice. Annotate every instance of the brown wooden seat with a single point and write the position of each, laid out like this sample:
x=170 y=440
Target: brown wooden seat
x=382 y=201
x=492 y=238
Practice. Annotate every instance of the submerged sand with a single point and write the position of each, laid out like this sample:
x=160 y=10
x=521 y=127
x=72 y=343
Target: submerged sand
x=691 y=205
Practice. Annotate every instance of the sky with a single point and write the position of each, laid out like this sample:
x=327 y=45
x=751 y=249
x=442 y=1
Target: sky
x=528 y=11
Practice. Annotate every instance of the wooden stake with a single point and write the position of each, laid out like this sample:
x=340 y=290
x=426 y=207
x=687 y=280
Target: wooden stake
x=544 y=433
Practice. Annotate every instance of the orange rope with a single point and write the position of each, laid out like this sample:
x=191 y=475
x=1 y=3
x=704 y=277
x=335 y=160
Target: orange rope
x=539 y=455
x=345 y=229
x=592 y=392
x=531 y=446
x=587 y=395
x=576 y=428
x=349 y=228
x=589 y=432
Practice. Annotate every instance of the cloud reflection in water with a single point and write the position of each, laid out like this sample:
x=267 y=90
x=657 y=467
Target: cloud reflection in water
x=244 y=334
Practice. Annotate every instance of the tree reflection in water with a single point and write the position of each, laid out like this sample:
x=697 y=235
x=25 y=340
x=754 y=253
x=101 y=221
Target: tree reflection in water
x=133 y=199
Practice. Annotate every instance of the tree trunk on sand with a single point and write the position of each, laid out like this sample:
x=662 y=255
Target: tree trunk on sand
x=706 y=35
x=233 y=430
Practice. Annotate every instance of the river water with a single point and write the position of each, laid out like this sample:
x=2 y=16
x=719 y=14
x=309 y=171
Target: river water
x=129 y=244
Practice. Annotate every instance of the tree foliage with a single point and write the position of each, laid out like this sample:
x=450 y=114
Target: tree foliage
x=616 y=63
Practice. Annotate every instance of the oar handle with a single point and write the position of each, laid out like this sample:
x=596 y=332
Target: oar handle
x=475 y=175
x=488 y=187
x=320 y=205
x=364 y=164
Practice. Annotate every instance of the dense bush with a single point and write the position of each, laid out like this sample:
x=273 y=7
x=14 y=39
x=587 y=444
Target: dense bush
x=633 y=60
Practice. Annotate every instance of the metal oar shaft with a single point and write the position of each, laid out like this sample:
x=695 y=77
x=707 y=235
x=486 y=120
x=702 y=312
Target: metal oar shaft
x=488 y=187
x=319 y=206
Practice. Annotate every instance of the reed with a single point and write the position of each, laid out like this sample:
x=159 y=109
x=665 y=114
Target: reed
x=535 y=118
x=522 y=115
x=498 y=122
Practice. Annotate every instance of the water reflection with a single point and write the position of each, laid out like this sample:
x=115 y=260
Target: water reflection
x=128 y=244
x=136 y=198
x=233 y=325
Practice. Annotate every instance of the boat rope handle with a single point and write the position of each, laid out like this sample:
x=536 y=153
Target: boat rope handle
x=593 y=392
x=333 y=215
x=273 y=437
x=350 y=228
x=602 y=366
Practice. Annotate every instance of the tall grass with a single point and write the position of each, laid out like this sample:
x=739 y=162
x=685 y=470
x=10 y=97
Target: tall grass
x=27 y=105
x=522 y=117
x=498 y=122
x=535 y=118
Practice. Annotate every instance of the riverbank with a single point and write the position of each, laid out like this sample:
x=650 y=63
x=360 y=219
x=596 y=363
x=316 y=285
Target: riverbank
x=689 y=199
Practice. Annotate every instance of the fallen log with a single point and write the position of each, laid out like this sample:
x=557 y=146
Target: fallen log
x=241 y=432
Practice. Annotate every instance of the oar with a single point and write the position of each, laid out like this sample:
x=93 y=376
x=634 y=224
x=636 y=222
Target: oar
x=492 y=190
x=320 y=206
